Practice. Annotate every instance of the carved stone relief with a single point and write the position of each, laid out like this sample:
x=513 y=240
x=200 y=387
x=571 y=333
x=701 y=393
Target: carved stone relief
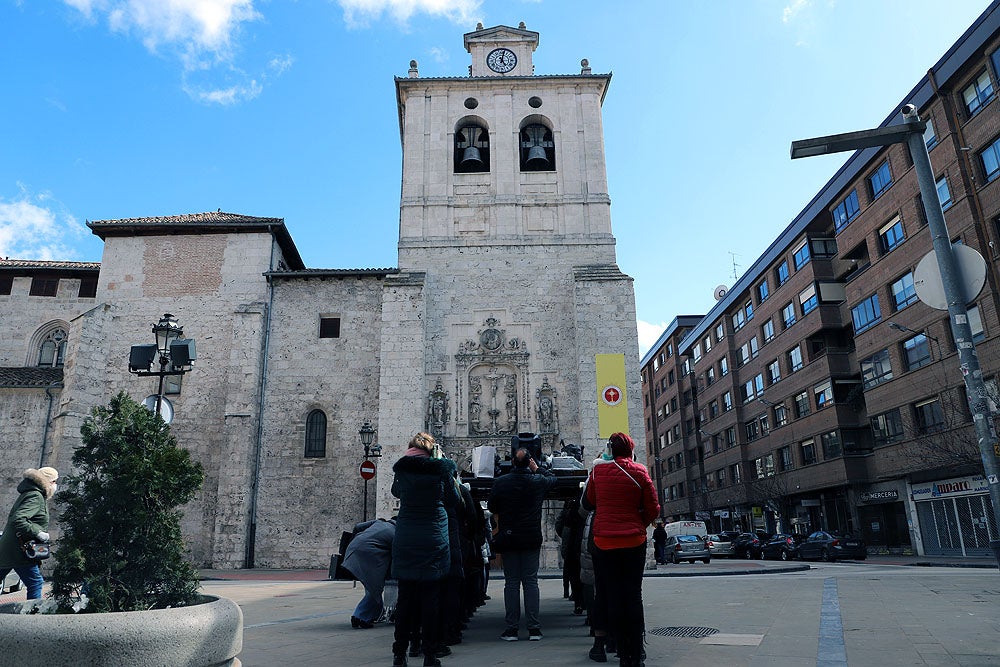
x=546 y=409
x=438 y=410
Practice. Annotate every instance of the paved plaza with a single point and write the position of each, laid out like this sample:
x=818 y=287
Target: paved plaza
x=878 y=613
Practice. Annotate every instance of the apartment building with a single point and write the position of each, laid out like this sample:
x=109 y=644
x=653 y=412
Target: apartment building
x=819 y=392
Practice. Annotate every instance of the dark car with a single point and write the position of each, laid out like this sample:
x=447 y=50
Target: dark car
x=782 y=546
x=687 y=547
x=746 y=545
x=823 y=545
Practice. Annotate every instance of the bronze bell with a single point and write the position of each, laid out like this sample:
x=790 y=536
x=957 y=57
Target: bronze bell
x=536 y=158
x=471 y=158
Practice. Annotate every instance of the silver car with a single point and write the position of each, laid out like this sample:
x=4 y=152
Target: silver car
x=720 y=545
x=687 y=547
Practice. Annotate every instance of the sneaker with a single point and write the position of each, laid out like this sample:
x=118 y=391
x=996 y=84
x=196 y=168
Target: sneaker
x=442 y=652
x=597 y=652
x=509 y=635
x=431 y=661
x=534 y=634
x=399 y=661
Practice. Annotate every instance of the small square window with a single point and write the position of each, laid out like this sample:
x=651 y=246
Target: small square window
x=329 y=327
x=781 y=273
x=44 y=286
x=88 y=287
x=944 y=195
x=846 y=211
x=978 y=93
x=891 y=235
x=800 y=256
x=989 y=159
x=880 y=180
x=6 y=284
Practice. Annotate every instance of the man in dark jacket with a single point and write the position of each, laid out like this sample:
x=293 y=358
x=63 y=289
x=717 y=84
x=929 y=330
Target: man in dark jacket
x=368 y=558
x=517 y=499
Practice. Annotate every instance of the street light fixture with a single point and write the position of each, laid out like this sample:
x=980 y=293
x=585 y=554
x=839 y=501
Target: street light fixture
x=911 y=133
x=900 y=327
x=367 y=435
x=176 y=356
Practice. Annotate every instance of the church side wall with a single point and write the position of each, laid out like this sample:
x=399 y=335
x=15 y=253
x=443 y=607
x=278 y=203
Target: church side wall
x=22 y=429
x=23 y=315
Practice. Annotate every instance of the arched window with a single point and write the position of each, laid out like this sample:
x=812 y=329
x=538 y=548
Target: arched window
x=538 y=150
x=472 y=149
x=52 y=349
x=316 y=435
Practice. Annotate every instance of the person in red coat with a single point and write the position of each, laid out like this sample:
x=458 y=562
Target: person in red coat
x=624 y=499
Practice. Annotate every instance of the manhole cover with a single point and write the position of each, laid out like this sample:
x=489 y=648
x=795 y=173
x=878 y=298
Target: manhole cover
x=683 y=631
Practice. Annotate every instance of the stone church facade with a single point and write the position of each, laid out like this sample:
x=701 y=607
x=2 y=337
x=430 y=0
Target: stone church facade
x=506 y=288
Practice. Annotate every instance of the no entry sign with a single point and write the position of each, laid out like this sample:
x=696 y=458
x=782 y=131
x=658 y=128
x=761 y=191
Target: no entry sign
x=367 y=469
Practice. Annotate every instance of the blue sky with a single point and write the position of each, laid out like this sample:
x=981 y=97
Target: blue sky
x=132 y=108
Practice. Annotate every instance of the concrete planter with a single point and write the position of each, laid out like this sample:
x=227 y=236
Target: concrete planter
x=207 y=634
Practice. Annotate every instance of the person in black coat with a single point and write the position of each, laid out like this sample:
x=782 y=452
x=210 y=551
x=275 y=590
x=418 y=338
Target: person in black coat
x=569 y=525
x=516 y=499
x=421 y=555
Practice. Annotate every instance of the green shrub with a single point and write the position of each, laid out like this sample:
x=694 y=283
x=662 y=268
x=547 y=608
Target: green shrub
x=121 y=543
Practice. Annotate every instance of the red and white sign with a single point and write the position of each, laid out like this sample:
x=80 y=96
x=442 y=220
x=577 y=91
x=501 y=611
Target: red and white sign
x=367 y=469
x=612 y=395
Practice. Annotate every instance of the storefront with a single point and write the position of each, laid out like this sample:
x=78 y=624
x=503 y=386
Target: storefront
x=956 y=517
x=882 y=519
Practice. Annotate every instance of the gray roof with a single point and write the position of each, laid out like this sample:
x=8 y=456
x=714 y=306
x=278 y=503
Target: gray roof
x=679 y=322
x=46 y=265
x=30 y=376
x=306 y=274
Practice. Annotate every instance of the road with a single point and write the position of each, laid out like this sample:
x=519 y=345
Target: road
x=835 y=614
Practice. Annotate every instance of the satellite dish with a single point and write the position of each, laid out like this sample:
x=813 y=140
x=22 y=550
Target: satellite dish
x=720 y=292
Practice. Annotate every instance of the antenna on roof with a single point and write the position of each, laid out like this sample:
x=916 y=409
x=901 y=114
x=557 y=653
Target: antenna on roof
x=218 y=210
x=735 y=265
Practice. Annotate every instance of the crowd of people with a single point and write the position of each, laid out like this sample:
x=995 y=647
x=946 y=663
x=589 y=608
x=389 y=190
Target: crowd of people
x=437 y=548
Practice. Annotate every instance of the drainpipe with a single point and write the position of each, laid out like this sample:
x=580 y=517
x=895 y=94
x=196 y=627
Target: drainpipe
x=248 y=556
x=48 y=418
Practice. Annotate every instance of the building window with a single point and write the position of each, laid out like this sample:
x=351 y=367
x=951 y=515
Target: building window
x=876 y=369
x=713 y=409
x=808 y=300
x=978 y=93
x=44 y=286
x=785 y=458
x=472 y=149
x=930 y=138
x=866 y=314
x=794 y=359
x=52 y=351
x=773 y=372
x=708 y=344
x=903 y=291
x=697 y=352
x=928 y=417
x=801 y=405
x=880 y=180
x=846 y=211
x=720 y=477
x=88 y=288
x=723 y=367
x=762 y=291
x=780 y=416
x=808 y=450
x=788 y=315
x=753 y=388
x=990 y=161
x=824 y=394
x=329 y=327
x=781 y=273
x=751 y=429
x=734 y=473
x=727 y=402
x=944 y=195
x=720 y=332
x=710 y=376
x=538 y=150
x=916 y=352
x=891 y=235
x=748 y=310
x=670 y=377
x=800 y=256
x=730 y=437
x=316 y=435
x=765 y=425
x=831 y=445
x=670 y=350
x=887 y=427
x=6 y=284
x=656 y=364
x=739 y=319
x=767 y=331
x=976 y=324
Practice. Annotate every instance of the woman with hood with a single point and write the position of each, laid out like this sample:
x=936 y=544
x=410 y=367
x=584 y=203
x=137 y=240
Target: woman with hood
x=421 y=554
x=28 y=520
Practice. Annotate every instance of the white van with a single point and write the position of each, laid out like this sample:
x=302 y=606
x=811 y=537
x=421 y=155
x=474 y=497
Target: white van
x=686 y=528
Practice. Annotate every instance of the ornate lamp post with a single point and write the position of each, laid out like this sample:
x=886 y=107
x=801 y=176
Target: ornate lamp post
x=367 y=435
x=176 y=355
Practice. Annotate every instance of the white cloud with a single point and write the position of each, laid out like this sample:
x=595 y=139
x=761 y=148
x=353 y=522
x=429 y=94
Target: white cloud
x=648 y=334
x=438 y=54
x=35 y=226
x=793 y=9
x=360 y=12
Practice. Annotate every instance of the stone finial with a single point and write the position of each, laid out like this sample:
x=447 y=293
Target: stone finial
x=479 y=26
x=521 y=25
x=585 y=66
x=413 y=69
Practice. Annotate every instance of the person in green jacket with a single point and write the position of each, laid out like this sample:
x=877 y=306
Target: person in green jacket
x=28 y=520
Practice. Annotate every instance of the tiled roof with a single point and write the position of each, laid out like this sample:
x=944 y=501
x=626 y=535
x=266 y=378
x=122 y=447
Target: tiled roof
x=29 y=376
x=209 y=218
x=331 y=273
x=6 y=263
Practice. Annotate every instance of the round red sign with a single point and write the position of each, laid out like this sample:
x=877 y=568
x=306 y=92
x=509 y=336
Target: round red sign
x=367 y=469
x=612 y=395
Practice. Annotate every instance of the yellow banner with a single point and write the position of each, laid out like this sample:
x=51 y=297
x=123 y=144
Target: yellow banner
x=612 y=402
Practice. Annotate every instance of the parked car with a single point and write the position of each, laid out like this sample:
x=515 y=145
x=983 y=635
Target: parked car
x=782 y=546
x=687 y=547
x=747 y=545
x=829 y=546
x=720 y=545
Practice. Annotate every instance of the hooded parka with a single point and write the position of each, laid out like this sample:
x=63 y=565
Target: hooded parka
x=424 y=486
x=28 y=517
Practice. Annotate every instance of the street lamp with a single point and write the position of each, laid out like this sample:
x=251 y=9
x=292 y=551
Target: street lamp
x=367 y=435
x=911 y=133
x=924 y=333
x=176 y=355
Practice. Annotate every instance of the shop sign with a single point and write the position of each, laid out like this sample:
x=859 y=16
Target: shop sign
x=889 y=496
x=950 y=488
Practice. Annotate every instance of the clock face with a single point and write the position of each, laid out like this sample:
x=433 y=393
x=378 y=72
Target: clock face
x=501 y=60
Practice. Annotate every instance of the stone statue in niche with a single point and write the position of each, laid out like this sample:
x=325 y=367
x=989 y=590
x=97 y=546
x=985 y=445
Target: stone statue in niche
x=475 y=407
x=510 y=389
x=437 y=410
x=492 y=400
x=546 y=411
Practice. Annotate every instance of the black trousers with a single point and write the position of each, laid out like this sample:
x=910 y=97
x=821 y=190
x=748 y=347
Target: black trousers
x=618 y=576
x=418 y=609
